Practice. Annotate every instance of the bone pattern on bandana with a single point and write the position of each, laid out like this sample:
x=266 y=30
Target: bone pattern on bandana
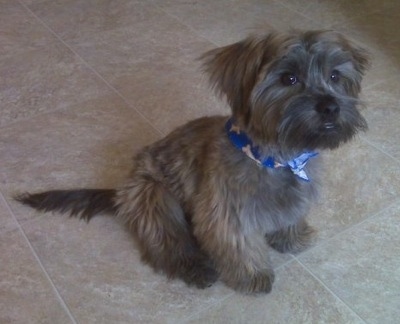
x=241 y=141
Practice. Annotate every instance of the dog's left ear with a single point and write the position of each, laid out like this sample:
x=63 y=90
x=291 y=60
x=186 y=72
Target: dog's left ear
x=360 y=55
x=233 y=71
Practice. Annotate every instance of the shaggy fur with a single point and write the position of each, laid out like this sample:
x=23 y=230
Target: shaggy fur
x=198 y=207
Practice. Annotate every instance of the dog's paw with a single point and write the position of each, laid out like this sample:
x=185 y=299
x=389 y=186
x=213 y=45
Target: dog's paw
x=204 y=278
x=201 y=275
x=261 y=283
x=257 y=283
x=294 y=239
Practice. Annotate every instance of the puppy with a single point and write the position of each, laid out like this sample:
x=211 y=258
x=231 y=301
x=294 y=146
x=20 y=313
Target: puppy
x=210 y=199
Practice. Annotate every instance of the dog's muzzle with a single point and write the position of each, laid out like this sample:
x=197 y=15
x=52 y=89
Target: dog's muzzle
x=328 y=110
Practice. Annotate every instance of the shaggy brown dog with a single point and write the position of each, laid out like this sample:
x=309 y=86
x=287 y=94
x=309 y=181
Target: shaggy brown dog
x=211 y=198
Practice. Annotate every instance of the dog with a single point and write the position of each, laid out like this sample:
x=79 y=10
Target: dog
x=211 y=199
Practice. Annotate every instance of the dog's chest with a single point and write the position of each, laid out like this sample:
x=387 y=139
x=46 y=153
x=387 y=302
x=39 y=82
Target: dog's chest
x=279 y=200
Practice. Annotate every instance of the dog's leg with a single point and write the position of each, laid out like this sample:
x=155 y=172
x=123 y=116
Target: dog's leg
x=158 y=223
x=293 y=239
x=246 y=266
x=240 y=258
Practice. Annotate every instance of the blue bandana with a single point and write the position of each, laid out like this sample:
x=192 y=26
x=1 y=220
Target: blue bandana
x=241 y=141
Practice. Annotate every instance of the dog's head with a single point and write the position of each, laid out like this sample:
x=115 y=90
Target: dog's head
x=297 y=91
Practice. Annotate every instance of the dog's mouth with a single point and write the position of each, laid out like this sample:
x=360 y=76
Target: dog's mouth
x=329 y=127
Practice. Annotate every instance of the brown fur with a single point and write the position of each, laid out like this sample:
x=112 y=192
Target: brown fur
x=201 y=209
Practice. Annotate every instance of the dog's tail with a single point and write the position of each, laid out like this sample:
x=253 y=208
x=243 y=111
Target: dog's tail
x=81 y=203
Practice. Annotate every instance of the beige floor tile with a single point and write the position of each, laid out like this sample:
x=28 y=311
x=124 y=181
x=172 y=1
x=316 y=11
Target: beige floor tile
x=296 y=298
x=42 y=80
x=77 y=18
x=225 y=22
x=89 y=144
x=171 y=100
x=149 y=57
x=15 y=21
x=99 y=274
x=331 y=12
x=155 y=67
x=361 y=266
x=7 y=221
x=142 y=34
x=382 y=67
x=26 y=296
x=127 y=57
x=358 y=181
x=383 y=114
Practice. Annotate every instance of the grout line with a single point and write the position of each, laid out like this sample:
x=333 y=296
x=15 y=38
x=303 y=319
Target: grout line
x=190 y=28
x=371 y=217
x=371 y=86
x=230 y=295
x=377 y=147
x=15 y=224
x=295 y=11
x=49 y=280
x=210 y=306
x=284 y=264
x=330 y=291
x=92 y=69
x=326 y=26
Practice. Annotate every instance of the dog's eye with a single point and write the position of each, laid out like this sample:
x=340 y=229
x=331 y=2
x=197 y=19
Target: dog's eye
x=335 y=76
x=289 y=79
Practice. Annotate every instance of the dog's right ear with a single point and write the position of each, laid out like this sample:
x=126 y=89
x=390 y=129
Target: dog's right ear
x=234 y=69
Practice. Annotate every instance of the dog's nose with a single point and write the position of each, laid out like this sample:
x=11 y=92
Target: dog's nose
x=328 y=108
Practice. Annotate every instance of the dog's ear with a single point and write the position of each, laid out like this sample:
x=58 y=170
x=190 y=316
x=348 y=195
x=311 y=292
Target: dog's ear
x=361 y=56
x=233 y=71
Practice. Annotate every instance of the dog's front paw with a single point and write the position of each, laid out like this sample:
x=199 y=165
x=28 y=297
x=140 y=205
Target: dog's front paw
x=201 y=275
x=204 y=278
x=293 y=239
x=260 y=282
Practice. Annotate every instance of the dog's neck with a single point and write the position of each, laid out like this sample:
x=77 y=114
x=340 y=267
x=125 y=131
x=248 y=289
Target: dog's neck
x=243 y=142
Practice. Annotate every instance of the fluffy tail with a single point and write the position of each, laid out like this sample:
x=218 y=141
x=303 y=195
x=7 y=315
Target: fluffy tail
x=82 y=203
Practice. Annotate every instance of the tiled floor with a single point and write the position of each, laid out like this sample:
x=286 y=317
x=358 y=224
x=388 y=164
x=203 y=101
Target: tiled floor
x=86 y=83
